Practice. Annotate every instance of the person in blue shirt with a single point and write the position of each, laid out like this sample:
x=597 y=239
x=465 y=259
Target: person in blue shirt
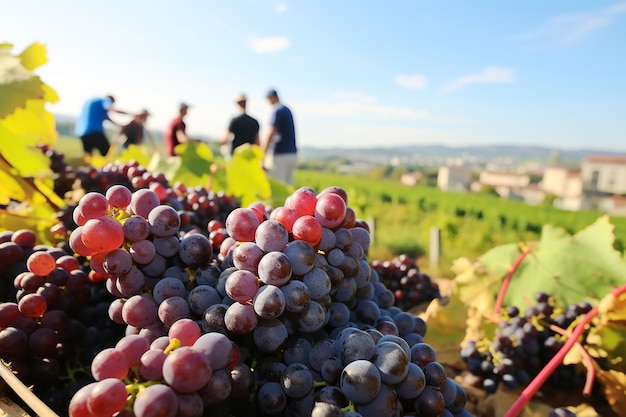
x=279 y=148
x=90 y=128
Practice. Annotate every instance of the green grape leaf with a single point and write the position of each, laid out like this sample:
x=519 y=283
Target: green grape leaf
x=17 y=83
x=583 y=266
x=245 y=177
x=33 y=56
x=11 y=185
x=475 y=284
x=33 y=123
x=20 y=152
x=191 y=167
x=26 y=217
x=140 y=154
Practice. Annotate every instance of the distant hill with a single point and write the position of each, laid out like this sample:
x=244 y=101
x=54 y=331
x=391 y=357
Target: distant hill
x=442 y=152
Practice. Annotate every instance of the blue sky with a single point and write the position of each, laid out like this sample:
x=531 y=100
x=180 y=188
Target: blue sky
x=356 y=73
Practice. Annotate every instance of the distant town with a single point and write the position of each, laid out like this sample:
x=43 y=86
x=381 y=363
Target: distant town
x=570 y=180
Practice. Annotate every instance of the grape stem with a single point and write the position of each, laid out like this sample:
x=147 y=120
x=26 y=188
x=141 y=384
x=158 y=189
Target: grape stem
x=507 y=279
x=545 y=373
x=587 y=360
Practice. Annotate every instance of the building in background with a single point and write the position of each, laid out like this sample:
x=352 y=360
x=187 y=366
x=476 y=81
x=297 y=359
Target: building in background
x=454 y=178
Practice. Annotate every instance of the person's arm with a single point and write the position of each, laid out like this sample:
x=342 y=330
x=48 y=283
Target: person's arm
x=268 y=140
x=182 y=137
x=225 y=138
x=116 y=110
x=119 y=137
x=257 y=140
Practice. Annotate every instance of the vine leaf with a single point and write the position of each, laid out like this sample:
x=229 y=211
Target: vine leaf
x=583 y=266
x=17 y=83
x=32 y=122
x=475 y=284
x=33 y=56
x=27 y=181
x=606 y=336
x=614 y=385
x=245 y=177
x=141 y=155
x=12 y=188
x=25 y=160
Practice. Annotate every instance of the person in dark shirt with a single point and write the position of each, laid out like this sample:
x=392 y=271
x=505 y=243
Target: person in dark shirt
x=134 y=132
x=243 y=128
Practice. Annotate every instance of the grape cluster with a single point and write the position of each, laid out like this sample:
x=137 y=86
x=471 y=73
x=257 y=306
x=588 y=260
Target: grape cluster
x=197 y=206
x=272 y=312
x=523 y=344
x=409 y=285
x=53 y=319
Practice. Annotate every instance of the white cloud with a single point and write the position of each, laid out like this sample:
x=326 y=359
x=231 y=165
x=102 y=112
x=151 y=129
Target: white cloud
x=352 y=96
x=356 y=105
x=281 y=7
x=415 y=81
x=488 y=75
x=569 y=29
x=263 y=45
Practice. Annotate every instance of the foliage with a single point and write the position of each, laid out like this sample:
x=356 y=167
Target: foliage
x=572 y=267
x=26 y=194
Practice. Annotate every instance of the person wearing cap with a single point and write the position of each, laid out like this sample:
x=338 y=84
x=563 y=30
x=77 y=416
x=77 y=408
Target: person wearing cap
x=134 y=132
x=89 y=127
x=243 y=128
x=279 y=147
x=175 y=133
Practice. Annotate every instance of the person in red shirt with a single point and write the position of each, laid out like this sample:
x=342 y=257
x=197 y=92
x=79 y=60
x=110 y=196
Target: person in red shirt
x=175 y=132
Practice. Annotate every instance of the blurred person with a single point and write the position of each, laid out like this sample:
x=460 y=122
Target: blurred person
x=175 y=133
x=134 y=132
x=243 y=128
x=90 y=125
x=279 y=147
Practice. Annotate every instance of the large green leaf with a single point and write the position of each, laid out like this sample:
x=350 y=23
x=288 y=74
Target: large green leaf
x=141 y=154
x=11 y=188
x=192 y=167
x=33 y=123
x=245 y=176
x=583 y=266
x=17 y=83
x=20 y=152
x=33 y=56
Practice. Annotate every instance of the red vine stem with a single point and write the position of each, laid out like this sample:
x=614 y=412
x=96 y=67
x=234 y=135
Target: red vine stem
x=588 y=360
x=543 y=375
x=507 y=280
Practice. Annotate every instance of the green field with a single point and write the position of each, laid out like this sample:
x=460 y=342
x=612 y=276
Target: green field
x=402 y=216
x=469 y=224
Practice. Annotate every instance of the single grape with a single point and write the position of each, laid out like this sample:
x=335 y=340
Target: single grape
x=164 y=221
x=360 y=381
x=274 y=268
x=156 y=400
x=186 y=369
x=241 y=224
